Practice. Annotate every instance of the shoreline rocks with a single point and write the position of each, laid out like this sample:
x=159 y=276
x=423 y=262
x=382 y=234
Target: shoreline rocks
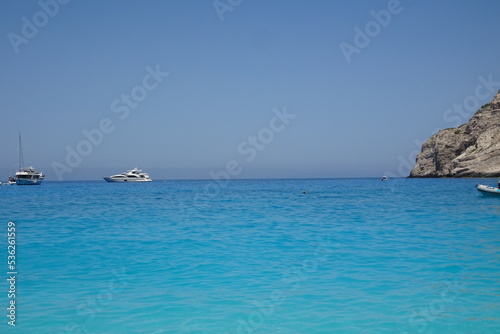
x=470 y=150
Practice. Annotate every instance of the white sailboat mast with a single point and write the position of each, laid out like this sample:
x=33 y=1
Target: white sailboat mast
x=21 y=157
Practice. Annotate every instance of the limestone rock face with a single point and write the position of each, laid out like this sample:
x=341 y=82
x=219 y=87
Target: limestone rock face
x=471 y=150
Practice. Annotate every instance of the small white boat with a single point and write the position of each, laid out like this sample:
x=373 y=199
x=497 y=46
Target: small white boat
x=134 y=175
x=26 y=175
x=384 y=178
x=487 y=190
x=10 y=182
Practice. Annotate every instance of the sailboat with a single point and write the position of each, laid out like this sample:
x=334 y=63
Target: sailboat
x=27 y=175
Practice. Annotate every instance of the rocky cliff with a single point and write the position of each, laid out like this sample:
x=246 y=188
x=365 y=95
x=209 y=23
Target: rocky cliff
x=471 y=150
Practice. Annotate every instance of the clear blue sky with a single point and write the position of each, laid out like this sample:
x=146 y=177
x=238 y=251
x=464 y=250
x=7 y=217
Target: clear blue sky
x=353 y=119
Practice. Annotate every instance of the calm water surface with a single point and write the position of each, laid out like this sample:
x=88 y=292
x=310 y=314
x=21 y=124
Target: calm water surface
x=254 y=256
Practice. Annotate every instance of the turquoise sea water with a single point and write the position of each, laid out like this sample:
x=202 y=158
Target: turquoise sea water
x=254 y=256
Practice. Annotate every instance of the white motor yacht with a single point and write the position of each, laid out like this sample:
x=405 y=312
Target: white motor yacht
x=134 y=175
x=29 y=176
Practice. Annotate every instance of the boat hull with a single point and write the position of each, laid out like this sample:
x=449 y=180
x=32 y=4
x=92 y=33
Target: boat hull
x=29 y=182
x=488 y=190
